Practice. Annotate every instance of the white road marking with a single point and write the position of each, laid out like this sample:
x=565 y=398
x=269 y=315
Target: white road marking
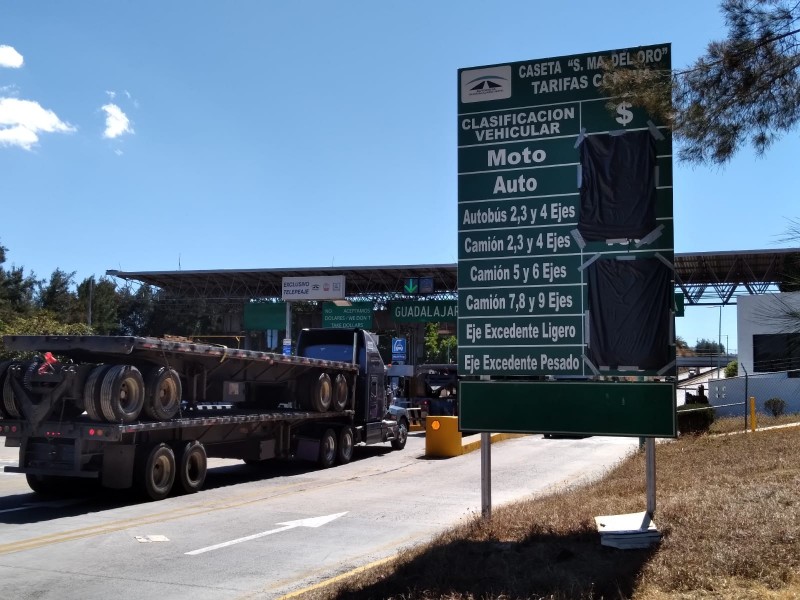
x=312 y=522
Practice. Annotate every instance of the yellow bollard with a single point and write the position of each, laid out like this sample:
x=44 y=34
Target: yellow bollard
x=752 y=413
x=442 y=437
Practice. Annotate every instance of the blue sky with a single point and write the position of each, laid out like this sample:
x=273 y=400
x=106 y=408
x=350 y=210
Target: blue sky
x=155 y=135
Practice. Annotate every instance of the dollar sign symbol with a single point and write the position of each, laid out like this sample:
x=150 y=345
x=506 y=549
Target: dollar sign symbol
x=625 y=116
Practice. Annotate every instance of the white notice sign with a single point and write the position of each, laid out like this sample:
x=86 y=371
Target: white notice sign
x=329 y=287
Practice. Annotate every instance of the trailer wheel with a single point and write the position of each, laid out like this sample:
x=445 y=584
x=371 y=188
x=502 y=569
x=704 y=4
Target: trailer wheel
x=344 y=453
x=10 y=403
x=399 y=442
x=340 y=393
x=154 y=471
x=163 y=392
x=91 y=392
x=317 y=392
x=327 y=449
x=3 y=368
x=45 y=485
x=192 y=467
x=60 y=485
x=122 y=394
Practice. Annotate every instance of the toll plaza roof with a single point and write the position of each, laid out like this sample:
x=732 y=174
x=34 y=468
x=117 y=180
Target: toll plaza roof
x=710 y=278
x=380 y=282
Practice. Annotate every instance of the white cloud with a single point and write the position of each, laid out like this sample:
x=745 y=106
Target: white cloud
x=117 y=122
x=111 y=94
x=9 y=57
x=21 y=121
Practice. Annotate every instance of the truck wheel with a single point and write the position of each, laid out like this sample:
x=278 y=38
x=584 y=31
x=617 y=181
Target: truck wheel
x=3 y=369
x=45 y=485
x=60 y=485
x=344 y=453
x=154 y=471
x=91 y=392
x=399 y=442
x=318 y=392
x=163 y=393
x=122 y=394
x=10 y=403
x=192 y=467
x=340 y=393
x=327 y=449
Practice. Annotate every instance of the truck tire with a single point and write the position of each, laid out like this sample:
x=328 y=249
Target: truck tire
x=317 y=391
x=341 y=393
x=44 y=485
x=344 y=450
x=122 y=394
x=60 y=485
x=91 y=392
x=3 y=369
x=10 y=403
x=399 y=442
x=327 y=449
x=154 y=471
x=192 y=467
x=163 y=392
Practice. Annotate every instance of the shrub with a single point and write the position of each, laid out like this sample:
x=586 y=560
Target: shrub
x=732 y=369
x=777 y=406
x=695 y=417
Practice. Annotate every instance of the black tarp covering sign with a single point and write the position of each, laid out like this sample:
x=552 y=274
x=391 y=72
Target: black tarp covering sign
x=629 y=313
x=618 y=188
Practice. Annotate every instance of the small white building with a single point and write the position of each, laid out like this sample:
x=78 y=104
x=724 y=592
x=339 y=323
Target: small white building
x=768 y=332
x=768 y=339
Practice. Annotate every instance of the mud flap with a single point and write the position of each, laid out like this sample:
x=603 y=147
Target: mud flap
x=118 y=466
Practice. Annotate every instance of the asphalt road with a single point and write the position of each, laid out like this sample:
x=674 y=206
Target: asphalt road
x=265 y=532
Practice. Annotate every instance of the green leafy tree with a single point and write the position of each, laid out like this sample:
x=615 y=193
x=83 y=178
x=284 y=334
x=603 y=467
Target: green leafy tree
x=135 y=310
x=743 y=89
x=56 y=296
x=100 y=300
x=439 y=349
x=705 y=346
x=17 y=292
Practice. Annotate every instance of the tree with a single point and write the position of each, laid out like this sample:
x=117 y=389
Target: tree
x=681 y=347
x=135 y=310
x=103 y=300
x=439 y=349
x=56 y=295
x=707 y=347
x=16 y=292
x=744 y=88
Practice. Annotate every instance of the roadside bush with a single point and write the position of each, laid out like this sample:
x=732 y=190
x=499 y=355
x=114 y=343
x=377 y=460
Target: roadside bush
x=695 y=418
x=732 y=369
x=777 y=406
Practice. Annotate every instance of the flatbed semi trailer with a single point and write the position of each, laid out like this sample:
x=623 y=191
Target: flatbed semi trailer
x=147 y=413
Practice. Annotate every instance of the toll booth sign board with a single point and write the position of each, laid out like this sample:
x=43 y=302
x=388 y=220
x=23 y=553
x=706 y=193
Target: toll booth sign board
x=359 y=314
x=568 y=407
x=565 y=222
x=565 y=249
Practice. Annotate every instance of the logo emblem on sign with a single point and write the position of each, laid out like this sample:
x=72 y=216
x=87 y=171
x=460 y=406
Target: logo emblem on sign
x=481 y=85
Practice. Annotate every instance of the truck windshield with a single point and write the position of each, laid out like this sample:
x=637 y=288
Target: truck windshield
x=340 y=352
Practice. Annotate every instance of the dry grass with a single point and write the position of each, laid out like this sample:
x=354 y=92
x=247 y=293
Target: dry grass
x=728 y=508
x=734 y=424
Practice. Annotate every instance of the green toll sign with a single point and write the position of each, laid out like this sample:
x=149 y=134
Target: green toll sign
x=565 y=221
